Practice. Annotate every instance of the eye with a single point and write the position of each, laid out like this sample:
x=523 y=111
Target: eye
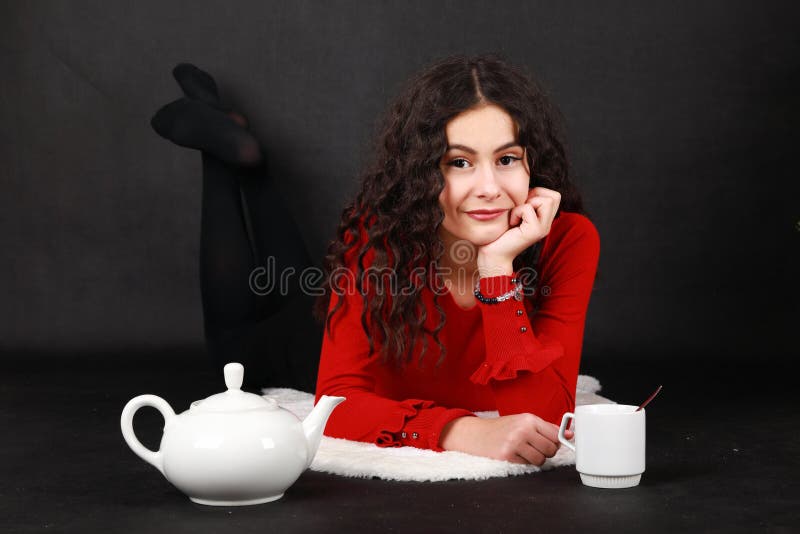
x=455 y=164
x=509 y=157
x=506 y=161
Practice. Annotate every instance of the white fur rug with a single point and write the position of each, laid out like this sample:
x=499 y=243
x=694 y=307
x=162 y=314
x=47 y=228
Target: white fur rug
x=367 y=460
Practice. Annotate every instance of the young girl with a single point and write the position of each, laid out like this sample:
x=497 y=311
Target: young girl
x=461 y=274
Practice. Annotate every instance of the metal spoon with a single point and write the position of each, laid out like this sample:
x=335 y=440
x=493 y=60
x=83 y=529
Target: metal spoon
x=651 y=397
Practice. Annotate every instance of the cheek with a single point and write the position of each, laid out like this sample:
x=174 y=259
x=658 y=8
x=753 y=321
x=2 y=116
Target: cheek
x=445 y=200
x=521 y=190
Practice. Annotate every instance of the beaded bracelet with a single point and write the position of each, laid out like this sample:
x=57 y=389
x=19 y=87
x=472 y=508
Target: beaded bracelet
x=516 y=293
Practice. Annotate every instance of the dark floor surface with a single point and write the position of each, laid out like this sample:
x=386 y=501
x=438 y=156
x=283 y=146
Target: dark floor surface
x=722 y=456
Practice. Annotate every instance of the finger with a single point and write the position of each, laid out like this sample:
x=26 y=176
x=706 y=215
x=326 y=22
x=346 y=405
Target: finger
x=522 y=213
x=514 y=217
x=545 y=208
x=548 y=430
x=538 y=201
x=544 y=445
x=543 y=191
x=538 y=208
x=534 y=200
x=531 y=454
x=532 y=224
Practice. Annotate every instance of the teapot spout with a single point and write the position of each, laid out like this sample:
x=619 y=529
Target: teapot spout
x=314 y=423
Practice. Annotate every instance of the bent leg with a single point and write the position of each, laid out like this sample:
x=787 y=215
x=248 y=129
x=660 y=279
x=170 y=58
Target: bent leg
x=248 y=240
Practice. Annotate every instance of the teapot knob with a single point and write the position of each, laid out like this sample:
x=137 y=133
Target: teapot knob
x=234 y=375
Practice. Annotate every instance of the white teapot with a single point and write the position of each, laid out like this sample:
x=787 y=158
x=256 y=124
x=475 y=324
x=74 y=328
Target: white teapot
x=233 y=448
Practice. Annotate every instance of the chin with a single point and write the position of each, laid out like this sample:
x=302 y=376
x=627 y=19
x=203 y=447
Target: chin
x=477 y=236
x=484 y=238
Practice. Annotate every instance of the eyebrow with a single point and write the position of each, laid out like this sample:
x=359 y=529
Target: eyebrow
x=473 y=151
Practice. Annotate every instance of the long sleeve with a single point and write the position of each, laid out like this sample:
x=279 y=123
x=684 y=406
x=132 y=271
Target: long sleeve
x=532 y=361
x=346 y=369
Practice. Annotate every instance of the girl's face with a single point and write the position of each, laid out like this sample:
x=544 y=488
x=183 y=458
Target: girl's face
x=484 y=169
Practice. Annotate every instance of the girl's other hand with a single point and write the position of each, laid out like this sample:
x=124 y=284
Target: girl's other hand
x=520 y=438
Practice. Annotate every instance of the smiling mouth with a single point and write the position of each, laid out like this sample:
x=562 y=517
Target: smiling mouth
x=485 y=212
x=485 y=215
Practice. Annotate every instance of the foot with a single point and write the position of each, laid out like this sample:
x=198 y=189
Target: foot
x=197 y=84
x=194 y=124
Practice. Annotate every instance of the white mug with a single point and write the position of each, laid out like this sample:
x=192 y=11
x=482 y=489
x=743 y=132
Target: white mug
x=609 y=444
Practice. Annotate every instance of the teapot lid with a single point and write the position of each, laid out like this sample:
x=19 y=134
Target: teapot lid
x=233 y=400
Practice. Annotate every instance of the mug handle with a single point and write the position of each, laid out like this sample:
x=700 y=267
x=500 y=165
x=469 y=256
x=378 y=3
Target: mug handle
x=126 y=423
x=563 y=428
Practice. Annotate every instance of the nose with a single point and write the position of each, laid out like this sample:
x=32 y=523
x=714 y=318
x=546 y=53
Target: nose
x=487 y=186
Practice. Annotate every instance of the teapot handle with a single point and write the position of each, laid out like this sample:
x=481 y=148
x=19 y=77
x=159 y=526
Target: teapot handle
x=126 y=422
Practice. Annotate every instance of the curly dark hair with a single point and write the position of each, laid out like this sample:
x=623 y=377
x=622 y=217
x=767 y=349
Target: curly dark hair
x=398 y=202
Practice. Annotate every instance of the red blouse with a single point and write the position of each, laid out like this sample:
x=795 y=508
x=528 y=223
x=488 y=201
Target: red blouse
x=503 y=357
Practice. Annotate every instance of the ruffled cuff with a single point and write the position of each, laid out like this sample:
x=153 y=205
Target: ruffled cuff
x=511 y=345
x=508 y=369
x=420 y=427
x=388 y=436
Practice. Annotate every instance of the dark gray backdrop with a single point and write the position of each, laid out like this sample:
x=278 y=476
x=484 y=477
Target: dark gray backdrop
x=682 y=122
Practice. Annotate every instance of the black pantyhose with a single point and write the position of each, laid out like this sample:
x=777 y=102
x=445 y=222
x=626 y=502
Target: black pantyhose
x=244 y=226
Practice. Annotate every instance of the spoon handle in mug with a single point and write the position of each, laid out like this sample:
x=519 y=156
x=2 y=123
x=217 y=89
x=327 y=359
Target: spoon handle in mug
x=651 y=397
